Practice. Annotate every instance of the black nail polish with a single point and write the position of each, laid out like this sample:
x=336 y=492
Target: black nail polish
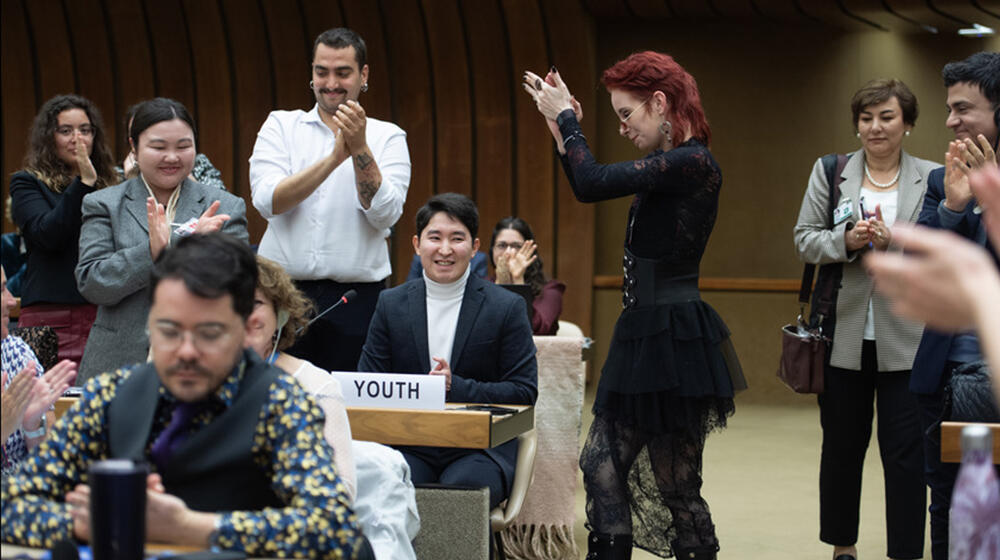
x=553 y=69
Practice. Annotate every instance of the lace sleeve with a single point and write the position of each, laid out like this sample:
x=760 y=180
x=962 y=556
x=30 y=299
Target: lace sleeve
x=680 y=170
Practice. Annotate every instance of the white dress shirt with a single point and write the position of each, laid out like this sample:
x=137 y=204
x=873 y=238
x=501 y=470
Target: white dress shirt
x=329 y=235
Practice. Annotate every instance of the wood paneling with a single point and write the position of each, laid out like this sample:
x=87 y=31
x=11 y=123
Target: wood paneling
x=55 y=57
x=414 y=111
x=446 y=71
x=18 y=99
x=213 y=85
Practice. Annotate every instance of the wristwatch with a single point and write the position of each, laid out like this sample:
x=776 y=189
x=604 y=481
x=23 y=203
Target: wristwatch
x=39 y=432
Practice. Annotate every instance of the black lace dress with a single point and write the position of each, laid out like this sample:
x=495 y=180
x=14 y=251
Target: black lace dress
x=671 y=372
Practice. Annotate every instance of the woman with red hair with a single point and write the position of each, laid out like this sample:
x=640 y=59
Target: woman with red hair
x=671 y=371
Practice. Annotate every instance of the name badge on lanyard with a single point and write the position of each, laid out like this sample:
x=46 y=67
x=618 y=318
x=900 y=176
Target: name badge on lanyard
x=842 y=211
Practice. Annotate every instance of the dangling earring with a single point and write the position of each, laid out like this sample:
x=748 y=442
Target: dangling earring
x=666 y=128
x=364 y=87
x=311 y=86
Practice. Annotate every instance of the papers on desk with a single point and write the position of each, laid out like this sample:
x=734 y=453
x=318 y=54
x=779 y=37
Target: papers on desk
x=392 y=390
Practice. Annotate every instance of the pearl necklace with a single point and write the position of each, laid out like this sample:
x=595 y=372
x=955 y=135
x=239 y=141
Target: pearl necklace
x=882 y=185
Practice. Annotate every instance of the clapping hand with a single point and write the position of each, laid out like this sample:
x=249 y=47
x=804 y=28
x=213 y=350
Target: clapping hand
x=985 y=184
x=48 y=389
x=16 y=399
x=550 y=98
x=963 y=157
x=159 y=228
x=209 y=221
x=519 y=261
x=352 y=120
x=85 y=167
x=937 y=280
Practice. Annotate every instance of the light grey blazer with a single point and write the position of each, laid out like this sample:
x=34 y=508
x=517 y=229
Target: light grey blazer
x=115 y=265
x=818 y=242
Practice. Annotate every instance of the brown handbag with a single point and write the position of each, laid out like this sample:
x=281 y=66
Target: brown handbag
x=805 y=345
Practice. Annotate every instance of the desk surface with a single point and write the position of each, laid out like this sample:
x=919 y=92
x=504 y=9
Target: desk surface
x=452 y=427
x=951 y=441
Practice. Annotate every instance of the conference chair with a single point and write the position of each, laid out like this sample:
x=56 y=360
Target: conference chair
x=503 y=515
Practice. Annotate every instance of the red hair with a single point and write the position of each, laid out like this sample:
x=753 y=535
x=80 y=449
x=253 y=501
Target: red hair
x=646 y=72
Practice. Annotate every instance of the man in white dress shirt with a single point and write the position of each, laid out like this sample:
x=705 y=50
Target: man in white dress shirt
x=331 y=183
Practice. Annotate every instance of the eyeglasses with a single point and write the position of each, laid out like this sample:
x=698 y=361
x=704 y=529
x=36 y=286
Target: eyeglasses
x=67 y=130
x=503 y=246
x=624 y=121
x=207 y=339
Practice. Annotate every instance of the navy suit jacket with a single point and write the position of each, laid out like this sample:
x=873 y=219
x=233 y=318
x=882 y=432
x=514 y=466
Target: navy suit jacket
x=492 y=359
x=932 y=354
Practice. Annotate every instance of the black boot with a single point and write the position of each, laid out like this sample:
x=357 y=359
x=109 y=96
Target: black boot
x=696 y=552
x=602 y=546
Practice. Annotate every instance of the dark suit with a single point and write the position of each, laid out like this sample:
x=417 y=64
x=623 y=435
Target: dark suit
x=932 y=371
x=492 y=359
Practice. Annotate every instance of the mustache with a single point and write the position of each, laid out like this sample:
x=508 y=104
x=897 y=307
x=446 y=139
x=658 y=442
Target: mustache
x=328 y=90
x=188 y=366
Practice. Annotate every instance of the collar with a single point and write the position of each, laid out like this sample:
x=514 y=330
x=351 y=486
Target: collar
x=313 y=115
x=225 y=394
x=171 y=209
x=453 y=290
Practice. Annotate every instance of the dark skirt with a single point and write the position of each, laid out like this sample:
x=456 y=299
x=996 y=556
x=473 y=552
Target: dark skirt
x=671 y=368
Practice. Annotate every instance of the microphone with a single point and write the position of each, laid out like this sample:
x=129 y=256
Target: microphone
x=346 y=298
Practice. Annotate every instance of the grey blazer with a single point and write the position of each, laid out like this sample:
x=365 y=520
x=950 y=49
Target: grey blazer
x=115 y=264
x=818 y=242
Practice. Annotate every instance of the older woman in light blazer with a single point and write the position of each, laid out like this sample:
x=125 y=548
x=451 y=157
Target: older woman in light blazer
x=125 y=227
x=873 y=350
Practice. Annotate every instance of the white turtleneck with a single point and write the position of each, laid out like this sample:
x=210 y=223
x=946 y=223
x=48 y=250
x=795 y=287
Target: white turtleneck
x=444 y=301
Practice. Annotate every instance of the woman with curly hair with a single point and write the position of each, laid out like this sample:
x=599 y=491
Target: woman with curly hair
x=67 y=158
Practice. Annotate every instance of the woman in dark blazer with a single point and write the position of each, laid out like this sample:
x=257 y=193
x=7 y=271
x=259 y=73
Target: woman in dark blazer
x=125 y=228
x=872 y=351
x=67 y=158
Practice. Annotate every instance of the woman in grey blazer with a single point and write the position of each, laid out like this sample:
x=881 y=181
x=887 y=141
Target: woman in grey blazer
x=872 y=351
x=126 y=226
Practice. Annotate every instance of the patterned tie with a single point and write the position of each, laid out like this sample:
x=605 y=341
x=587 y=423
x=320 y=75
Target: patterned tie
x=174 y=434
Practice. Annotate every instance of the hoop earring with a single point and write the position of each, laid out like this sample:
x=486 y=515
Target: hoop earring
x=666 y=129
x=311 y=86
x=364 y=87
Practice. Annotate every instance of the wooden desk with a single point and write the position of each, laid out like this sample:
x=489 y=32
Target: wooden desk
x=451 y=427
x=951 y=441
x=474 y=429
x=15 y=551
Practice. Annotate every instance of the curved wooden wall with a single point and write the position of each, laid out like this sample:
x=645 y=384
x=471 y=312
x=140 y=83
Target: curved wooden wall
x=447 y=71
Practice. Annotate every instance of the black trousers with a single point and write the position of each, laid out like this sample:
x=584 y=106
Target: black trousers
x=334 y=341
x=846 y=415
x=456 y=467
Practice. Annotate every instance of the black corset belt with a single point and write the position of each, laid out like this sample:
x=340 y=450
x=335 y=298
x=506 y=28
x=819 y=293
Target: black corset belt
x=657 y=281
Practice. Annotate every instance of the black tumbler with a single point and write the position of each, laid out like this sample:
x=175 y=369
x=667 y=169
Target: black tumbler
x=118 y=509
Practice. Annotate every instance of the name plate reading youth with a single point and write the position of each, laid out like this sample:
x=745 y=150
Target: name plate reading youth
x=392 y=390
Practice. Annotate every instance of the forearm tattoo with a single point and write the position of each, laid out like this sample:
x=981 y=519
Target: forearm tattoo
x=367 y=190
x=363 y=160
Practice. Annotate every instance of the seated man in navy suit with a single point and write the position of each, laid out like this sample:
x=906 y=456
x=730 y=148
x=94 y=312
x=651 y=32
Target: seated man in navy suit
x=472 y=332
